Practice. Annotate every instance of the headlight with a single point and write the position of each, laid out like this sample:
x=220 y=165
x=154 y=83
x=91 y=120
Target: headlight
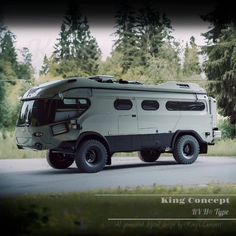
x=38 y=134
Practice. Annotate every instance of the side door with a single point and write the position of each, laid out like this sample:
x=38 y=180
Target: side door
x=127 y=116
x=148 y=112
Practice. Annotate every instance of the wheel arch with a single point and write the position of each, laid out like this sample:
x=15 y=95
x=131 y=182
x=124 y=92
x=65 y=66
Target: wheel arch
x=93 y=135
x=179 y=133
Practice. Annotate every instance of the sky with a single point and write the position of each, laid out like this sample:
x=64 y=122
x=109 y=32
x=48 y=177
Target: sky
x=38 y=30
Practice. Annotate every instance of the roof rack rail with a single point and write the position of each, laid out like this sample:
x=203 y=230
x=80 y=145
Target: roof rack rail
x=102 y=78
x=121 y=81
x=111 y=79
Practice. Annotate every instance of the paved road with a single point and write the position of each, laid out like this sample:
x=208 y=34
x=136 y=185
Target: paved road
x=35 y=176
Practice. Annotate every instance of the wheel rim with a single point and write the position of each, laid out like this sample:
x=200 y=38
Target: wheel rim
x=188 y=151
x=92 y=156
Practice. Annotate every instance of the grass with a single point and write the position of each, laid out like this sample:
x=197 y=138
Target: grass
x=223 y=147
x=9 y=150
x=80 y=213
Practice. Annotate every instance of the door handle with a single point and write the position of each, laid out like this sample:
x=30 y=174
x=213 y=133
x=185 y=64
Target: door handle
x=133 y=115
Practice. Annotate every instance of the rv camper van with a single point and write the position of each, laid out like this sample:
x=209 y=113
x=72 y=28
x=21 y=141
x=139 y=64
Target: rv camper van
x=87 y=120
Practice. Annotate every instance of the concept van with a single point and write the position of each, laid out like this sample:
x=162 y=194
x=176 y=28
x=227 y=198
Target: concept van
x=88 y=120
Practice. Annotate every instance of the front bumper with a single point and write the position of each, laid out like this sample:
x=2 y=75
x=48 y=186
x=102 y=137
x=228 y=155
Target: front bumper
x=25 y=139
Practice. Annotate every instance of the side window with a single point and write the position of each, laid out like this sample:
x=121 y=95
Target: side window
x=70 y=108
x=123 y=104
x=150 y=105
x=185 y=106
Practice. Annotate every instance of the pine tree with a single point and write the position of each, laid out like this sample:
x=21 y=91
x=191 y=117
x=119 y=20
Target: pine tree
x=25 y=69
x=140 y=34
x=191 y=61
x=154 y=28
x=8 y=56
x=127 y=38
x=45 y=67
x=7 y=48
x=76 y=51
x=220 y=68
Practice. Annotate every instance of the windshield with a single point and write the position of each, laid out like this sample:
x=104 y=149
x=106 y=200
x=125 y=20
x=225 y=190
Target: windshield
x=25 y=113
x=46 y=111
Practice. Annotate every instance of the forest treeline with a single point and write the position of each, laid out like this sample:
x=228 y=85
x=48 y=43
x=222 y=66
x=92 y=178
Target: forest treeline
x=144 y=50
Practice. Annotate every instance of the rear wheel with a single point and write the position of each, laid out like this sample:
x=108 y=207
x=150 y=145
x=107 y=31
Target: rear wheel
x=149 y=155
x=91 y=156
x=59 y=160
x=186 y=149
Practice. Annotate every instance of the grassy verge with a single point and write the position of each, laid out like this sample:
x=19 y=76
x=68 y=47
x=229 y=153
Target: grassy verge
x=8 y=149
x=223 y=147
x=94 y=212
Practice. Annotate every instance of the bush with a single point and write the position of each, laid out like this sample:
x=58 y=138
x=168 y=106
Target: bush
x=226 y=128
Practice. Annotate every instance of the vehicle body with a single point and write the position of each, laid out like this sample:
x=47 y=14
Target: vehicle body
x=87 y=120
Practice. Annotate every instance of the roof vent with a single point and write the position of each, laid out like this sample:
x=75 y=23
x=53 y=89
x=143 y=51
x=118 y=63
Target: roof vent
x=186 y=86
x=71 y=80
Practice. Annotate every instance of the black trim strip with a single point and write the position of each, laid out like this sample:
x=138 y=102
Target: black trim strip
x=137 y=142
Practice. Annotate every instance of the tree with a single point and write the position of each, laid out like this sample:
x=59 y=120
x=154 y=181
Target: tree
x=126 y=33
x=154 y=28
x=75 y=46
x=7 y=48
x=166 y=66
x=45 y=67
x=220 y=67
x=191 y=61
x=112 y=65
x=11 y=70
x=140 y=34
x=25 y=69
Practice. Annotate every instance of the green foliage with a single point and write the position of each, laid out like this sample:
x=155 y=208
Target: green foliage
x=191 y=61
x=166 y=66
x=67 y=68
x=221 y=65
x=10 y=71
x=25 y=69
x=112 y=65
x=158 y=69
x=45 y=67
x=140 y=34
x=77 y=51
x=227 y=129
x=7 y=48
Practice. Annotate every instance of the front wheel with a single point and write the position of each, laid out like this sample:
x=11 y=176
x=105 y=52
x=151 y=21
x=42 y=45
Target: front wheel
x=186 y=149
x=91 y=156
x=59 y=160
x=149 y=155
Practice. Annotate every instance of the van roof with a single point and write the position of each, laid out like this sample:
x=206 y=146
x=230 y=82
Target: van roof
x=51 y=89
x=170 y=86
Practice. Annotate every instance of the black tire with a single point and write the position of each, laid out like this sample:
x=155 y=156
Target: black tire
x=59 y=160
x=91 y=156
x=148 y=155
x=186 y=149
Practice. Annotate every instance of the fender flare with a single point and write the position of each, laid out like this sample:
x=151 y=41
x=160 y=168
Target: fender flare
x=202 y=143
